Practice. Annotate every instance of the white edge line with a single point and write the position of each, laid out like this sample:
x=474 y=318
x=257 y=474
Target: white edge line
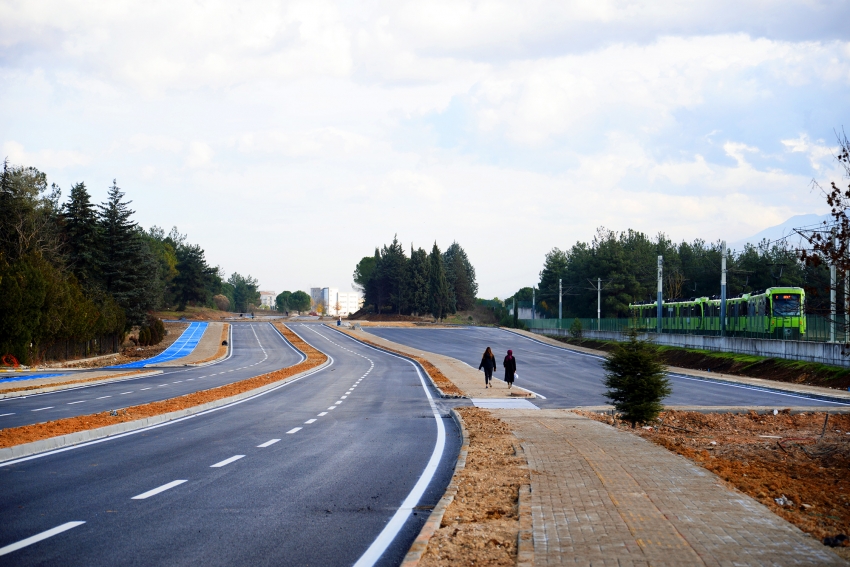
x=393 y=527
x=158 y=489
x=165 y=423
x=38 y=537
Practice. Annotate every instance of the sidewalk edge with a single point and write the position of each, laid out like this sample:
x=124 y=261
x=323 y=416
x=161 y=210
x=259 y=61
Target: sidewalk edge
x=432 y=524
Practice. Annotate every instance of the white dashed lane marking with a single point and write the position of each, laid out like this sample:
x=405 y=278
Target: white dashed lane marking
x=269 y=443
x=293 y=430
x=158 y=489
x=72 y=403
x=330 y=408
x=323 y=414
x=39 y=537
x=309 y=421
x=103 y=397
x=5 y=414
x=39 y=409
x=122 y=393
x=226 y=461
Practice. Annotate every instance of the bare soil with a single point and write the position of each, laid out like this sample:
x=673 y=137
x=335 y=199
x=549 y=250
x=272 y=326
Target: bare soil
x=196 y=314
x=222 y=348
x=766 y=368
x=481 y=525
x=793 y=458
x=29 y=433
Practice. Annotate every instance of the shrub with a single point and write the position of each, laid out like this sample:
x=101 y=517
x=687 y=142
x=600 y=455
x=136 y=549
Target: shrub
x=635 y=380
x=221 y=302
x=575 y=329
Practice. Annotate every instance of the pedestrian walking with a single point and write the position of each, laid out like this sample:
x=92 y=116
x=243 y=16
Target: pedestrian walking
x=488 y=363
x=510 y=368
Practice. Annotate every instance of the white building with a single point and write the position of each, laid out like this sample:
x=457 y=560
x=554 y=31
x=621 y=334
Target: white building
x=267 y=299
x=330 y=301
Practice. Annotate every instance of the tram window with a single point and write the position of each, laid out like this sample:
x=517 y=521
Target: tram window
x=786 y=305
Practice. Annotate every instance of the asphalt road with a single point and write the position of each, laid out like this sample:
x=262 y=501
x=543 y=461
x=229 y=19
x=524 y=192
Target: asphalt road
x=257 y=348
x=312 y=473
x=570 y=379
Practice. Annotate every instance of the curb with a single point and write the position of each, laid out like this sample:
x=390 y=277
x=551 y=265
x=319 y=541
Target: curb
x=64 y=441
x=432 y=524
x=72 y=386
x=409 y=357
x=809 y=395
x=525 y=538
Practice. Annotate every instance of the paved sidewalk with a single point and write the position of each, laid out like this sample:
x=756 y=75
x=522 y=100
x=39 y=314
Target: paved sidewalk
x=206 y=348
x=605 y=497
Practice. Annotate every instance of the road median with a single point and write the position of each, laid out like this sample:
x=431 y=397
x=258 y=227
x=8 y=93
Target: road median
x=17 y=442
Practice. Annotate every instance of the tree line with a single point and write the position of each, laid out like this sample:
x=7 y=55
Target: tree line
x=626 y=262
x=86 y=274
x=435 y=283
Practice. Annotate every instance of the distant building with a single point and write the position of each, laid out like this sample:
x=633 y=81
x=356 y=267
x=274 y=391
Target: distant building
x=330 y=301
x=267 y=299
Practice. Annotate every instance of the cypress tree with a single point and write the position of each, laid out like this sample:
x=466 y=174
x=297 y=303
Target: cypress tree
x=635 y=380
x=129 y=270
x=438 y=286
x=82 y=235
x=419 y=272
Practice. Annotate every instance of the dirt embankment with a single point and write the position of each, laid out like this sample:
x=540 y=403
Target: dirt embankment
x=796 y=465
x=481 y=525
x=29 y=433
x=795 y=372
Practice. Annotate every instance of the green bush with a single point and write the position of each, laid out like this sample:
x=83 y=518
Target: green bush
x=635 y=380
x=575 y=329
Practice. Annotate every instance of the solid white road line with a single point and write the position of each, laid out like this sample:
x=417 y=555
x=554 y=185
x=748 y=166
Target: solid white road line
x=39 y=409
x=293 y=430
x=269 y=443
x=72 y=403
x=157 y=490
x=226 y=461
x=39 y=537
x=309 y=421
x=323 y=414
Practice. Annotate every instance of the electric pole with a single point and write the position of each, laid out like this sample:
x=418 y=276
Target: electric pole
x=532 y=303
x=723 y=289
x=560 y=301
x=658 y=300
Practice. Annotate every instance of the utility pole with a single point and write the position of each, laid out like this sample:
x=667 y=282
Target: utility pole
x=598 y=304
x=533 y=291
x=723 y=289
x=560 y=301
x=846 y=311
x=658 y=300
x=833 y=284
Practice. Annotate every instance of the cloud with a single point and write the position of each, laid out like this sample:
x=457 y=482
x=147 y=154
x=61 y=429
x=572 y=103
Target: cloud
x=199 y=155
x=44 y=159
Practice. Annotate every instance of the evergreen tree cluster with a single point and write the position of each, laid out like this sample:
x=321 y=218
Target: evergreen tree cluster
x=627 y=264
x=79 y=273
x=435 y=283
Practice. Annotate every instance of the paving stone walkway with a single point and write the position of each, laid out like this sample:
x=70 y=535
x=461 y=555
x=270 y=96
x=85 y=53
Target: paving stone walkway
x=605 y=497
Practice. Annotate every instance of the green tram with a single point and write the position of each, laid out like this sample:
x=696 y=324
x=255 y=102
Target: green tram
x=777 y=312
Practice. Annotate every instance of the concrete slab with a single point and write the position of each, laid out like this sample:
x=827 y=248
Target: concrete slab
x=503 y=403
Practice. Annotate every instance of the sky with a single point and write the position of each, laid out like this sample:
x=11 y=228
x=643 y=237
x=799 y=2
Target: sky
x=289 y=139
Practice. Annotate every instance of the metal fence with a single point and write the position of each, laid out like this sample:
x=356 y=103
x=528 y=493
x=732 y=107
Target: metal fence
x=817 y=328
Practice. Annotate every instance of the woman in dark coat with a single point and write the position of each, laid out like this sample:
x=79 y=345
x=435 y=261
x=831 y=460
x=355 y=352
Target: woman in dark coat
x=488 y=363
x=510 y=368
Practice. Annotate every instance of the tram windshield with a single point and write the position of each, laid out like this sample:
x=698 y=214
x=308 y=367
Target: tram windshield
x=786 y=305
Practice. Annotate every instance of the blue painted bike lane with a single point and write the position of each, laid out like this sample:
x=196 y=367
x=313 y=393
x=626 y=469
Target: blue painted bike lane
x=183 y=346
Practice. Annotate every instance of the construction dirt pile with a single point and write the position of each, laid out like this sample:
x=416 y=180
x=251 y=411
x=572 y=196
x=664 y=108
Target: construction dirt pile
x=29 y=433
x=481 y=525
x=796 y=465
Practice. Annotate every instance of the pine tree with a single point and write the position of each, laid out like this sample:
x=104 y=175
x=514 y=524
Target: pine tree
x=418 y=274
x=460 y=275
x=393 y=274
x=635 y=380
x=438 y=286
x=82 y=235
x=129 y=270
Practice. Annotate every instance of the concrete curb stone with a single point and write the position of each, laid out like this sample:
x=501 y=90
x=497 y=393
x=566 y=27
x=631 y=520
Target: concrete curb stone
x=62 y=441
x=432 y=524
